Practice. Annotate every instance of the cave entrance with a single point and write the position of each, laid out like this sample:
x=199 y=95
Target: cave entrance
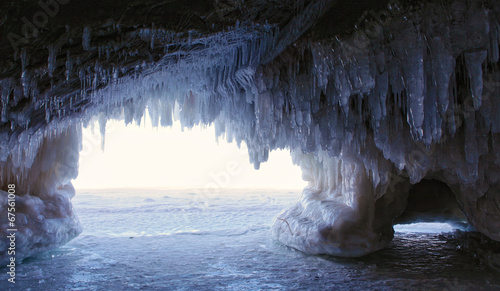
x=432 y=207
x=148 y=156
x=155 y=183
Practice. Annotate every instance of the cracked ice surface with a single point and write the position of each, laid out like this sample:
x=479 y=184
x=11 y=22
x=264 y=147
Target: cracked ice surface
x=365 y=115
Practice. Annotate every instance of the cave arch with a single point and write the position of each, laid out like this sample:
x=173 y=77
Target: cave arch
x=431 y=200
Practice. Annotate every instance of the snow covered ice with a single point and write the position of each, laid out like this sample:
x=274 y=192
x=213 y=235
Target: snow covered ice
x=366 y=114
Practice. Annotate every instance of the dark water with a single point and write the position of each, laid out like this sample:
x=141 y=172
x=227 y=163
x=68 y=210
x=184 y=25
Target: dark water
x=184 y=241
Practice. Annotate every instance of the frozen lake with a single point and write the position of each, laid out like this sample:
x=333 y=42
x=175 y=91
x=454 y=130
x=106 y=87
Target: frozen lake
x=169 y=239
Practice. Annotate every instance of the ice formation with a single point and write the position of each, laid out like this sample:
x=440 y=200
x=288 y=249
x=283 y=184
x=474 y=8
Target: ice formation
x=404 y=93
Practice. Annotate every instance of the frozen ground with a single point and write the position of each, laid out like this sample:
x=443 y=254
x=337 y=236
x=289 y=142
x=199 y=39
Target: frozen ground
x=165 y=239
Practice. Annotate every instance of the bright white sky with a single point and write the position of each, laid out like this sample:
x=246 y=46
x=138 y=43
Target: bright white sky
x=136 y=157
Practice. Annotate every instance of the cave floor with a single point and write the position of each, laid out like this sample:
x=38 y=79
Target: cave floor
x=186 y=241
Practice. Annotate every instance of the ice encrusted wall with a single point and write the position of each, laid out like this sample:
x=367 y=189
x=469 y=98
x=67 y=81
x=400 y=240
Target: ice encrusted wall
x=410 y=95
x=44 y=216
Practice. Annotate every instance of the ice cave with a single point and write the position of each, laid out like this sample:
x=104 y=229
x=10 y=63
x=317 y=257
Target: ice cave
x=371 y=98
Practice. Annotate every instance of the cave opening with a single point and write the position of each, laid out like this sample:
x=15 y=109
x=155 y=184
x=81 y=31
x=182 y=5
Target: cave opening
x=431 y=208
x=168 y=183
x=147 y=156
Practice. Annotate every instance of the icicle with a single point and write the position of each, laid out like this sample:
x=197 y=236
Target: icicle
x=102 y=129
x=53 y=51
x=474 y=62
x=24 y=59
x=443 y=65
x=69 y=65
x=166 y=115
x=86 y=38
